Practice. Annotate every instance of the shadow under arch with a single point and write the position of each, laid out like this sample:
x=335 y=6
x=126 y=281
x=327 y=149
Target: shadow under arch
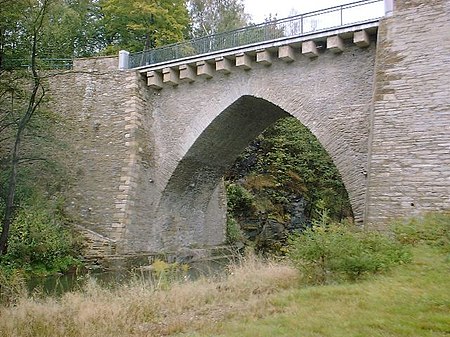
x=192 y=208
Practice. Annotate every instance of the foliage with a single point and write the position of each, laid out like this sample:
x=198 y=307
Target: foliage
x=298 y=164
x=164 y=274
x=233 y=233
x=216 y=16
x=327 y=253
x=239 y=200
x=285 y=176
x=142 y=24
x=69 y=29
x=432 y=229
x=40 y=242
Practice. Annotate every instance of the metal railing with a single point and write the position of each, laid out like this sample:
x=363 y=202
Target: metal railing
x=298 y=25
x=47 y=63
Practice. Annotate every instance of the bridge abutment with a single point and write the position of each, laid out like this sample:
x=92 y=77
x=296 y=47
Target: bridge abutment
x=409 y=160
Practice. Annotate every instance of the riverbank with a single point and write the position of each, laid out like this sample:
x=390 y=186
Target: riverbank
x=257 y=299
x=265 y=298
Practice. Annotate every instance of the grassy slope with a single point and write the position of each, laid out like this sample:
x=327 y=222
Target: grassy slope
x=413 y=301
x=256 y=300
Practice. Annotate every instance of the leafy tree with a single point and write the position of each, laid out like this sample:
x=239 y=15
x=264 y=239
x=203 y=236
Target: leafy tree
x=72 y=29
x=10 y=32
x=142 y=24
x=216 y=16
x=19 y=120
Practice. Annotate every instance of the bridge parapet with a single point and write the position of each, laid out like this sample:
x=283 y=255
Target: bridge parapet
x=289 y=50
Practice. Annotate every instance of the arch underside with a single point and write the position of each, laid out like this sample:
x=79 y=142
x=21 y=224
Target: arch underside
x=186 y=207
x=192 y=207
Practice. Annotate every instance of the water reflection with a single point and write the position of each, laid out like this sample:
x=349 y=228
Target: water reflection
x=57 y=285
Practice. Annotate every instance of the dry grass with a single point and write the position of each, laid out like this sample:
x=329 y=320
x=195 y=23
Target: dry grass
x=141 y=310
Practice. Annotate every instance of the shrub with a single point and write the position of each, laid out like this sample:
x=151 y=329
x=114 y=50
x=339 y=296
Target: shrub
x=234 y=233
x=240 y=201
x=39 y=241
x=332 y=253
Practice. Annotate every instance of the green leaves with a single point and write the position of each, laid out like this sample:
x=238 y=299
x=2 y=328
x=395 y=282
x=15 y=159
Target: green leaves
x=39 y=241
x=327 y=253
x=143 y=24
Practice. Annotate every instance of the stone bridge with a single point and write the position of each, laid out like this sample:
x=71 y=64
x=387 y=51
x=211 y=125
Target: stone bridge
x=151 y=145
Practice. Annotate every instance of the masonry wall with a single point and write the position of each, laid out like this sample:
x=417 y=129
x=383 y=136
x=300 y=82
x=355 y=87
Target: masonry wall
x=99 y=108
x=409 y=163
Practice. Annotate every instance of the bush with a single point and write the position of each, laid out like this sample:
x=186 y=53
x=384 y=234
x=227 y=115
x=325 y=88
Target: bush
x=333 y=253
x=39 y=241
x=234 y=233
x=239 y=200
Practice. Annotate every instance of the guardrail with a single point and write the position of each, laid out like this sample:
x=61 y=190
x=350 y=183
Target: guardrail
x=298 y=25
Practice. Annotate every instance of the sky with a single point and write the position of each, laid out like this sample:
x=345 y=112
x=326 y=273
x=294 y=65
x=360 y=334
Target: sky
x=260 y=9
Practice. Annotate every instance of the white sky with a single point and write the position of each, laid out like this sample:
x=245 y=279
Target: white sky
x=260 y=9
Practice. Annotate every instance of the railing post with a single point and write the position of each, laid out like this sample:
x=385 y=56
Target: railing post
x=124 y=58
x=301 y=24
x=388 y=7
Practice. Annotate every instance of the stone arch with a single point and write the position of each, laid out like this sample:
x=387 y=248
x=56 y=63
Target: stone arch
x=330 y=95
x=191 y=210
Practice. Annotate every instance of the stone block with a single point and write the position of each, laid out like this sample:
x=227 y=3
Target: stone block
x=154 y=80
x=243 y=61
x=361 y=38
x=335 y=44
x=223 y=65
x=286 y=53
x=205 y=69
x=309 y=49
x=264 y=57
x=187 y=73
x=170 y=76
